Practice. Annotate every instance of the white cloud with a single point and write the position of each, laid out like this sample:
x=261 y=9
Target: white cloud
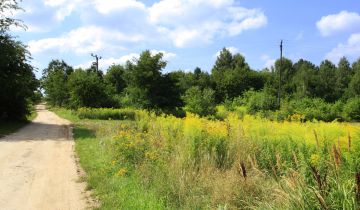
x=183 y=22
x=166 y=55
x=108 y=6
x=232 y=49
x=342 y=21
x=83 y=40
x=351 y=49
x=268 y=61
x=200 y=21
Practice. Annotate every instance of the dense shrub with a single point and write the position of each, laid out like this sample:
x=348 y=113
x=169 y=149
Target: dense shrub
x=106 y=114
x=352 y=109
x=259 y=101
x=200 y=102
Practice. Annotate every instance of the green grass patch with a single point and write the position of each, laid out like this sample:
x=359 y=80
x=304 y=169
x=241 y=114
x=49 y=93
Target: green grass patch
x=111 y=184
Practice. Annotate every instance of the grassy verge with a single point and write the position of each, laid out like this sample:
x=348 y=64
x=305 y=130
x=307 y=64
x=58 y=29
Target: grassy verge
x=163 y=162
x=113 y=190
x=9 y=127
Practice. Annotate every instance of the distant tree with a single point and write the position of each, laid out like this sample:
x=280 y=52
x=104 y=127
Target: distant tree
x=185 y=80
x=287 y=72
x=87 y=89
x=326 y=88
x=354 y=86
x=54 y=82
x=115 y=76
x=200 y=102
x=147 y=86
x=305 y=79
x=232 y=76
x=343 y=77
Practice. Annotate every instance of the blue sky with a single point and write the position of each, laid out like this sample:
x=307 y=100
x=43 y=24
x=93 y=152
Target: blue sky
x=189 y=32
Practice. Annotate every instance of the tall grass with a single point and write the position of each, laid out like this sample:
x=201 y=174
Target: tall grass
x=242 y=162
x=106 y=114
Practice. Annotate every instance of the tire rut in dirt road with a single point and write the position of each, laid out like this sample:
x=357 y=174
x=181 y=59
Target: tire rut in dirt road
x=37 y=166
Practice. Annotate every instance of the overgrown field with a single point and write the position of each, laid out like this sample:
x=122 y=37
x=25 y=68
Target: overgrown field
x=242 y=162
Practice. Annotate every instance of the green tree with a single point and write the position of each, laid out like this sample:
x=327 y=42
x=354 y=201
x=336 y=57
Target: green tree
x=147 y=86
x=8 y=7
x=285 y=66
x=343 y=77
x=305 y=79
x=200 y=102
x=87 y=89
x=17 y=79
x=54 y=82
x=232 y=76
x=326 y=88
x=354 y=86
x=115 y=77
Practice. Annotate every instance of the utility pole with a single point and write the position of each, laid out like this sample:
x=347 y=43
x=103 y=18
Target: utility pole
x=96 y=63
x=280 y=68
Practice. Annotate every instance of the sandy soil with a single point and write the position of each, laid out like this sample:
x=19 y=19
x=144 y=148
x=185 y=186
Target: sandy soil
x=38 y=168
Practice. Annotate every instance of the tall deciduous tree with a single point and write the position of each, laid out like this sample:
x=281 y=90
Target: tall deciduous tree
x=54 y=82
x=343 y=77
x=147 y=86
x=354 y=86
x=87 y=89
x=327 y=81
x=232 y=76
x=115 y=76
x=305 y=79
x=17 y=79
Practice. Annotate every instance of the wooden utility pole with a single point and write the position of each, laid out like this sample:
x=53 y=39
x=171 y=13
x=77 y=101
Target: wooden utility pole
x=96 y=63
x=280 y=68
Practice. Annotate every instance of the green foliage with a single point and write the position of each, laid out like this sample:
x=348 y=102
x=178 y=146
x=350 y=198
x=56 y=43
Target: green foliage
x=87 y=89
x=8 y=7
x=259 y=101
x=201 y=102
x=305 y=79
x=106 y=114
x=232 y=76
x=354 y=86
x=115 y=76
x=147 y=86
x=55 y=83
x=352 y=109
x=162 y=162
x=327 y=87
x=17 y=79
x=343 y=77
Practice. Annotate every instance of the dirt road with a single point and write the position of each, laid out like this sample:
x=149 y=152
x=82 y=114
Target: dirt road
x=37 y=167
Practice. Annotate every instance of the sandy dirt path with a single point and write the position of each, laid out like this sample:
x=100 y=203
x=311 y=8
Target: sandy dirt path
x=38 y=168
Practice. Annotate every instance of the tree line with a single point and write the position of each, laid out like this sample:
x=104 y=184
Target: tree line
x=141 y=83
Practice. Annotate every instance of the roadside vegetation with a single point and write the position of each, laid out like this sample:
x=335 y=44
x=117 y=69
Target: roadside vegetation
x=240 y=162
x=18 y=92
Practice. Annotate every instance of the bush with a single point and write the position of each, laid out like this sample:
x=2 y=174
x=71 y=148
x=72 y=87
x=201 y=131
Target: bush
x=200 y=102
x=352 y=109
x=106 y=114
x=315 y=108
x=259 y=101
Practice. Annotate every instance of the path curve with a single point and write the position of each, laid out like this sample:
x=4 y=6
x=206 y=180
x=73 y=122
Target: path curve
x=38 y=168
